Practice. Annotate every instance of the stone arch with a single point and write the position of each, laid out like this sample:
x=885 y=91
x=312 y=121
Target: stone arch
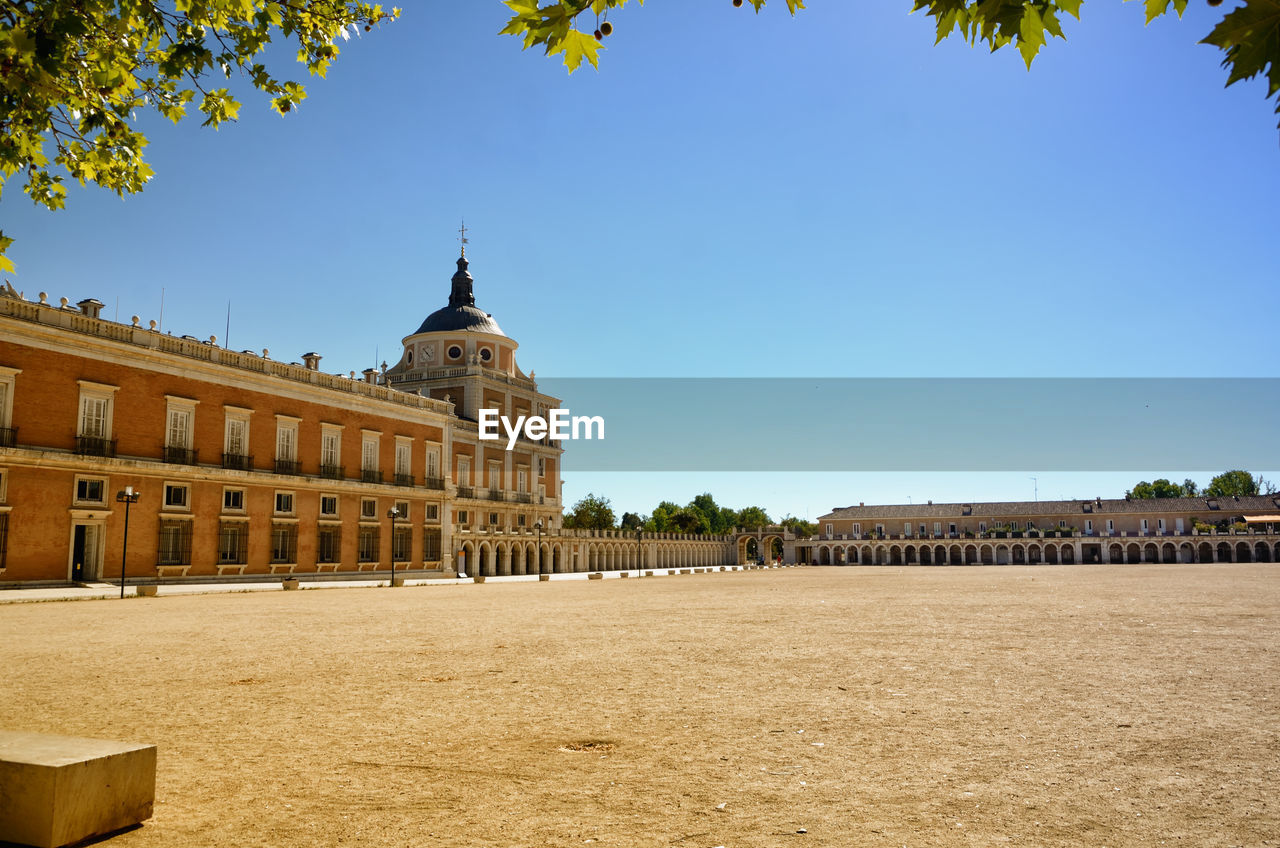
x=1115 y=552
x=467 y=559
x=1035 y=555
x=1134 y=553
x=1002 y=555
x=909 y=555
x=956 y=556
x=895 y=555
x=1206 y=552
x=485 y=560
x=985 y=555
x=1243 y=553
x=1168 y=553
x=1051 y=554
x=1186 y=553
x=1224 y=552
x=1068 y=554
x=970 y=554
x=1150 y=553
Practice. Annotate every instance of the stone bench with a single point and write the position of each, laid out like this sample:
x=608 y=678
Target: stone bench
x=58 y=790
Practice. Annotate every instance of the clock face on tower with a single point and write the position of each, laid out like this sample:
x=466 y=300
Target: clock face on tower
x=428 y=353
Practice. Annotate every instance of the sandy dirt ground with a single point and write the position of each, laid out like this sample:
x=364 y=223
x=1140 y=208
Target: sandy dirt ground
x=1078 y=705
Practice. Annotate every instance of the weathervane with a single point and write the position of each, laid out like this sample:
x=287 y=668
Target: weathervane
x=462 y=237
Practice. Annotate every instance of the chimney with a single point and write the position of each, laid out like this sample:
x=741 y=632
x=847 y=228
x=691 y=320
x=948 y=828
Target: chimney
x=860 y=503
x=312 y=361
x=91 y=306
x=370 y=375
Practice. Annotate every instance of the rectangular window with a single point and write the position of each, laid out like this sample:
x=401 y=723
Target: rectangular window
x=982 y=526
x=923 y=531
x=284 y=543
x=937 y=528
x=403 y=453
x=906 y=529
x=522 y=481
x=93 y=417
x=431 y=545
x=857 y=528
x=233 y=500
x=1111 y=526
x=7 y=376
x=464 y=471
x=4 y=540
x=329 y=544
x=521 y=520
x=233 y=543
x=1013 y=525
x=1178 y=525
x=830 y=530
x=493 y=518
x=402 y=510
x=369 y=454
x=331 y=452
x=177 y=496
x=329 y=506
x=542 y=465
x=1088 y=526
x=495 y=476
x=178 y=429
x=237 y=436
x=463 y=516
x=433 y=461
x=368 y=508
x=402 y=544
x=284 y=503
x=175 y=543
x=1145 y=526
x=287 y=441
x=91 y=490
x=1160 y=525
x=368 y=544
x=879 y=529
x=433 y=512
x=951 y=529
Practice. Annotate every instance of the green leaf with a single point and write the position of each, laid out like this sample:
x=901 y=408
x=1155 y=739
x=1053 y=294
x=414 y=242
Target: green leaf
x=1250 y=37
x=576 y=46
x=1030 y=34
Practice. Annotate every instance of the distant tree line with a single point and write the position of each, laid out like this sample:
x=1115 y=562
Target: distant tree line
x=702 y=515
x=1225 y=485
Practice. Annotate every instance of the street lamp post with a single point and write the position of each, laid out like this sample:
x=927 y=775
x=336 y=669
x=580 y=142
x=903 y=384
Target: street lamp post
x=393 y=514
x=537 y=525
x=127 y=497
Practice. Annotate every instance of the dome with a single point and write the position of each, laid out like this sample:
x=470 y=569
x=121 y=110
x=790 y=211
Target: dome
x=452 y=318
x=461 y=313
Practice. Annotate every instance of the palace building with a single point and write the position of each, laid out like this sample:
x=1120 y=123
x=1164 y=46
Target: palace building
x=1164 y=530
x=171 y=458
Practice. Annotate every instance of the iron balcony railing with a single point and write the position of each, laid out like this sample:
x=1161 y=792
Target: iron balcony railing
x=333 y=472
x=286 y=466
x=8 y=437
x=404 y=479
x=95 y=446
x=496 y=495
x=466 y=492
x=180 y=456
x=370 y=475
x=524 y=498
x=434 y=482
x=237 y=462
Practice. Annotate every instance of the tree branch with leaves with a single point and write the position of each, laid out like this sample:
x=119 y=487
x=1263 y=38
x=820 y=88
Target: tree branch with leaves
x=74 y=74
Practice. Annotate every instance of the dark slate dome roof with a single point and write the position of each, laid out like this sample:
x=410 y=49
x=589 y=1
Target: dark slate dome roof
x=461 y=313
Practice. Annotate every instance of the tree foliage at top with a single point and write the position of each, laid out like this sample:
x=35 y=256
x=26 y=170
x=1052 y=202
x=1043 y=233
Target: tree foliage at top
x=593 y=512
x=1237 y=482
x=75 y=74
x=1248 y=35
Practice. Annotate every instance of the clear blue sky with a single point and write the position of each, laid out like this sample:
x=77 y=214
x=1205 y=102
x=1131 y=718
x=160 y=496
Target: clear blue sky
x=730 y=195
